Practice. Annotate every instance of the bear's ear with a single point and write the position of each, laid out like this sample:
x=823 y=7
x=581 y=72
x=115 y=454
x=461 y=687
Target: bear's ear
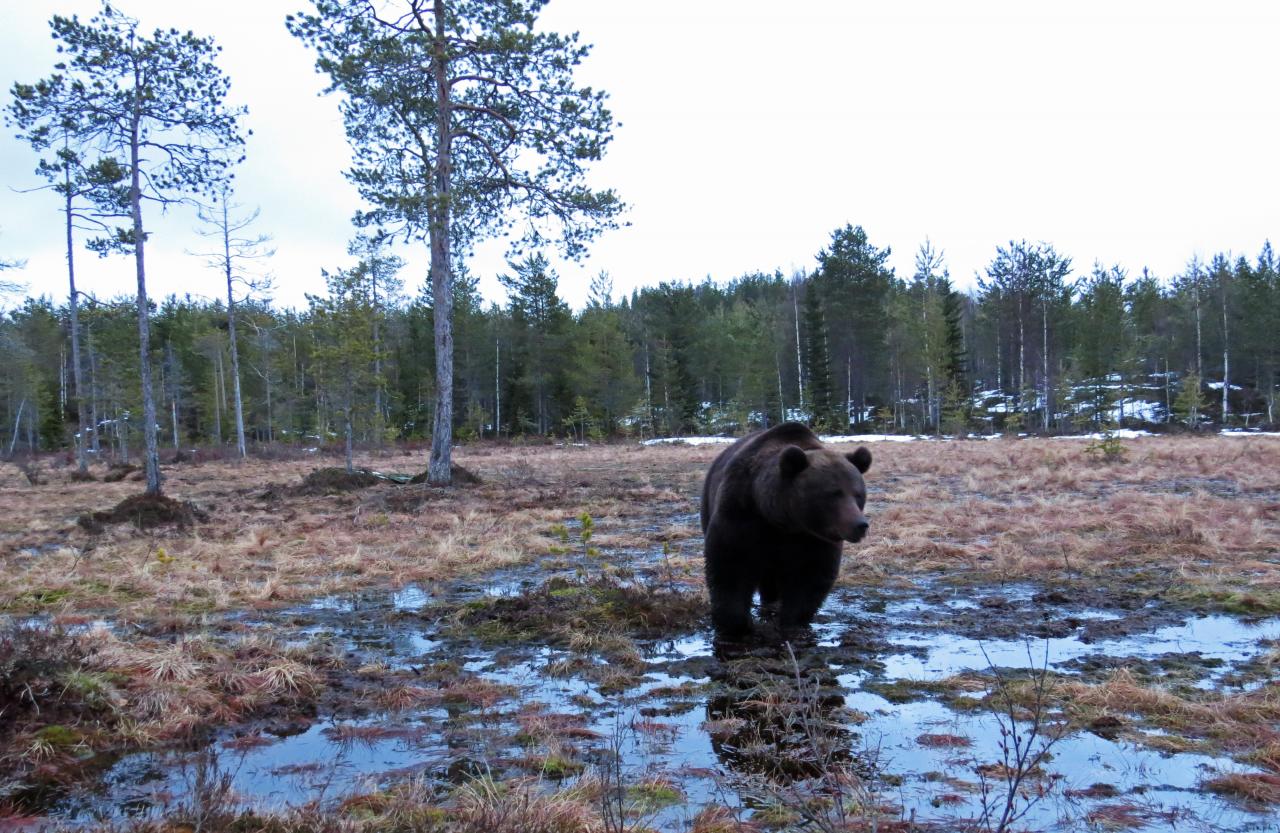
x=793 y=461
x=861 y=459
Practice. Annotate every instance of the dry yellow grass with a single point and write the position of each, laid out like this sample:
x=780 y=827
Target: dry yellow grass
x=1201 y=514
x=264 y=545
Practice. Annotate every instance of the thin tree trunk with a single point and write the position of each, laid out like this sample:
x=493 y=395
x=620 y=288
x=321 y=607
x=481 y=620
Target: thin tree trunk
x=122 y=434
x=848 y=389
x=346 y=412
x=795 y=301
x=93 y=388
x=1195 y=291
x=1168 y=401
x=1226 y=352
x=497 y=388
x=377 y=352
x=999 y=356
x=266 y=379
x=152 y=453
x=74 y=307
x=782 y=405
x=648 y=386
x=1022 y=357
x=231 y=329
x=173 y=390
x=1044 y=358
x=217 y=397
x=439 y=469
x=17 y=427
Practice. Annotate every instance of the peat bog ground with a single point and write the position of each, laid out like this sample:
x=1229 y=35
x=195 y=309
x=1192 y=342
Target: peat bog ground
x=1030 y=639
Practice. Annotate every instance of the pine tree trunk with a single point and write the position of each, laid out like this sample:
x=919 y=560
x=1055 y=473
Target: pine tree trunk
x=439 y=469
x=1022 y=358
x=795 y=301
x=74 y=307
x=152 y=451
x=1168 y=402
x=1226 y=353
x=1195 y=290
x=377 y=353
x=231 y=331
x=93 y=397
x=346 y=414
x=1044 y=358
x=217 y=398
x=17 y=427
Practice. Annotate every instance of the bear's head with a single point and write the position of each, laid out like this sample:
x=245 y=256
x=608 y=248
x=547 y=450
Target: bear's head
x=824 y=492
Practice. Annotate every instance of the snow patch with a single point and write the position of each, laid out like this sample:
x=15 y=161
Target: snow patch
x=1119 y=433
x=832 y=438
x=688 y=440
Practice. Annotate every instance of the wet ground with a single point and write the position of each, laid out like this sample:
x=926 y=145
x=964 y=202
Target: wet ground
x=893 y=686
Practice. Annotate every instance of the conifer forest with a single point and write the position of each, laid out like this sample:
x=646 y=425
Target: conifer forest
x=1040 y=345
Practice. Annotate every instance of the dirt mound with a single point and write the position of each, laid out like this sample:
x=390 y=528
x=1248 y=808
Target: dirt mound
x=334 y=480
x=145 y=512
x=460 y=475
x=78 y=476
x=118 y=472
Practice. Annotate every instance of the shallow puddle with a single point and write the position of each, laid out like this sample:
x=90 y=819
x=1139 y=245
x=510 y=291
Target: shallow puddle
x=686 y=716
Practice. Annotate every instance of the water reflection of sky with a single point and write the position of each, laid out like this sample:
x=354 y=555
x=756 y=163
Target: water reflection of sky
x=659 y=723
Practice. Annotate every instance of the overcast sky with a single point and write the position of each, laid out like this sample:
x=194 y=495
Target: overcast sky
x=1137 y=133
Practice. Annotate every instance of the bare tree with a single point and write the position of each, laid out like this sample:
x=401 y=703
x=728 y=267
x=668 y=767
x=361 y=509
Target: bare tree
x=236 y=250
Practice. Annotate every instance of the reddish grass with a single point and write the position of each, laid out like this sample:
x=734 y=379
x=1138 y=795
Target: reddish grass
x=1258 y=788
x=1203 y=512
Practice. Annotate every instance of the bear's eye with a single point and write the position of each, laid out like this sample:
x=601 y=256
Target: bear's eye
x=836 y=493
x=862 y=501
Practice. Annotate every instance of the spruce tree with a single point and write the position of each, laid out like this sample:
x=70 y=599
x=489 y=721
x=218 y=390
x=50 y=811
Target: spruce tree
x=817 y=361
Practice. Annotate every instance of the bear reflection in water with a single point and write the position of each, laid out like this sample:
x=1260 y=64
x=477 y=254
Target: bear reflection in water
x=779 y=712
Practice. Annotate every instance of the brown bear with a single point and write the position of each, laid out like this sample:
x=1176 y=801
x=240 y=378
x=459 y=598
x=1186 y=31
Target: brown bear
x=777 y=507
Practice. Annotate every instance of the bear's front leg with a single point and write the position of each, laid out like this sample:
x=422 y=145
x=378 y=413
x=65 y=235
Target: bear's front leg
x=805 y=586
x=733 y=574
x=769 y=584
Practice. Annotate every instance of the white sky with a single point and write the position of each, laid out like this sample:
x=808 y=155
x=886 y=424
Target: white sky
x=1137 y=132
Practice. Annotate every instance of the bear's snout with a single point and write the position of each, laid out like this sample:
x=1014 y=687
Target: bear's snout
x=859 y=531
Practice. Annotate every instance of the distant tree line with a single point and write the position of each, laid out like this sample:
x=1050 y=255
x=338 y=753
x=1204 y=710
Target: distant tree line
x=851 y=346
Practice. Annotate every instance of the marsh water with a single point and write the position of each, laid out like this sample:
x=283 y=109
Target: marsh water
x=876 y=664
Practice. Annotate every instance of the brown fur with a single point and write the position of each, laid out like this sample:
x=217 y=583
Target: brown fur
x=777 y=506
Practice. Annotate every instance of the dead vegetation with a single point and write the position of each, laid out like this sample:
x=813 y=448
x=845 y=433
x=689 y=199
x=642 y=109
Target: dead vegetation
x=1196 y=519
x=144 y=512
x=564 y=611
x=1187 y=522
x=68 y=695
